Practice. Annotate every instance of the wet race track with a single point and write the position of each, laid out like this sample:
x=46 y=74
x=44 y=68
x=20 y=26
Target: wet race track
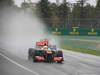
x=74 y=64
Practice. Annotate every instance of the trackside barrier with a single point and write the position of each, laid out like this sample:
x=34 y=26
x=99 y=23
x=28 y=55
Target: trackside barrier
x=75 y=31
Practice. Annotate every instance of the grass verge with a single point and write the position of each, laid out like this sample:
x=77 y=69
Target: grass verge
x=82 y=50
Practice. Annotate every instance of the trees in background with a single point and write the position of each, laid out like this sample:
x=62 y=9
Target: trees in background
x=89 y=16
x=54 y=14
x=55 y=20
x=6 y=3
x=97 y=14
x=83 y=15
x=80 y=14
x=63 y=13
x=97 y=9
x=43 y=7
x=76 y=14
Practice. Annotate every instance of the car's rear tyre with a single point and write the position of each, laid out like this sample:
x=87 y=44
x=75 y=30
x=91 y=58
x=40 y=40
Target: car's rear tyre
x=30 y=54
x=60 y=62
x=60 y=54
x=34 y=60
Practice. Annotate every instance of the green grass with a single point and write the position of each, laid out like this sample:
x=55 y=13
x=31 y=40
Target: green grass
x=82 y=50
x=83 y=44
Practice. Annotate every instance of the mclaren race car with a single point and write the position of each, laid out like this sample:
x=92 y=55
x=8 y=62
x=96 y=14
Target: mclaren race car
x=45 y=52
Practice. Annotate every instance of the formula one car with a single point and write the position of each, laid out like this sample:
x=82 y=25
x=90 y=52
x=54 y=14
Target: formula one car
x=45 y=52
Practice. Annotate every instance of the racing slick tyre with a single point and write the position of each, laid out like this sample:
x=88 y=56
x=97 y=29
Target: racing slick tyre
x=30 y=54
x=34 y=60
x=60 y=54
x=37 y=53
x=59 y=62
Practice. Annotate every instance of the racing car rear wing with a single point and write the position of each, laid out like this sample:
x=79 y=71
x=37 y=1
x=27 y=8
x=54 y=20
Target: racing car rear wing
x=42 y=42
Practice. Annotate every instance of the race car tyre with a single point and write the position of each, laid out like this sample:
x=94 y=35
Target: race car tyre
x=30 y=54
x=59 y=62
x=37 y=53
x=60 y=54
x=34 y=60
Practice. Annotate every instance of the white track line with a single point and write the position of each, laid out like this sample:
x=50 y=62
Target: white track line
x=21 y=66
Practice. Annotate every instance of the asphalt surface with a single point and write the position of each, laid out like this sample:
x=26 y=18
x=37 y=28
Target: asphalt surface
x=74 y=64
